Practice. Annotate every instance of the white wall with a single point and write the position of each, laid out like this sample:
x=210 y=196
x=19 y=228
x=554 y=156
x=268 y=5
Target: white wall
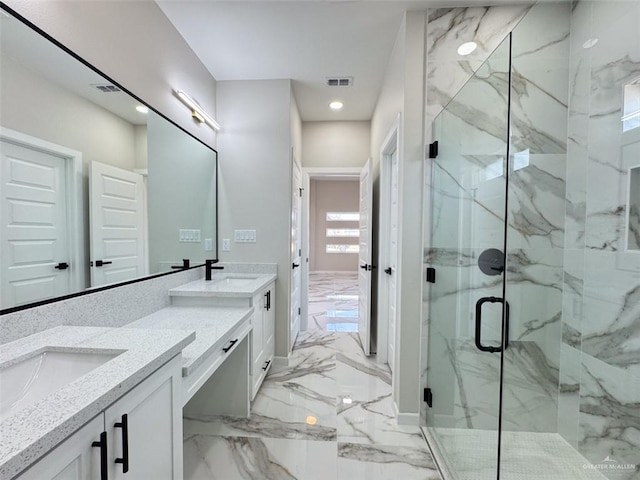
x=136 y=45
x=331 y=196
x=30 y=102
x=402 y=92
x=335 y=144
x=259 y=120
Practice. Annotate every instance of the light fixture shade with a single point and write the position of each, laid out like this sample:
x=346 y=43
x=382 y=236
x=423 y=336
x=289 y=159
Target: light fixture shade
x=197 y=111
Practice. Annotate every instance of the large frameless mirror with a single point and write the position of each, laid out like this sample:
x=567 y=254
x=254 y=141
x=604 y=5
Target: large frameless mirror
x=96 y=188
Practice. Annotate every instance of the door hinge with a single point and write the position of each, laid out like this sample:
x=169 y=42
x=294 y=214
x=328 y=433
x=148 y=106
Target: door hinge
x=433 y=149
x=299 y=310
x=428 y=397
x=431 y=275
x=300 y=189
x=299 y=252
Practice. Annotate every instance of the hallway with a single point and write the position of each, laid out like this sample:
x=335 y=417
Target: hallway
x=328 y=415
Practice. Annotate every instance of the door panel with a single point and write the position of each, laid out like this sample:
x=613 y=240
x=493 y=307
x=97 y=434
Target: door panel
x=393 y=259
x=364 y=258
x=117 y=224
x=296 y=252
x=468 y=218
x=34 y=225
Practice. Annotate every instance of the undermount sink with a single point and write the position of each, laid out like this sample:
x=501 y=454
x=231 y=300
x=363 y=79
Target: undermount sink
x=236 y=281
x=30 y=380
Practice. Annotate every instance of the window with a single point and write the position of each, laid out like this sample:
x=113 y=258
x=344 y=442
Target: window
x=342 y=248
x=343 y=232
x=631 y=111
x=343 y=217
x=342 y=227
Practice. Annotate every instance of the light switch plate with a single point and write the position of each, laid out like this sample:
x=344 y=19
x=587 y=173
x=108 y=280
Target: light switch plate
x=226 y=245
x=244 y=236
x=208 y=244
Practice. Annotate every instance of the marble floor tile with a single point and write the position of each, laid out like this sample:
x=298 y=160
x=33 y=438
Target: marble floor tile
x=328 y=414
x=209 y=457
x=384 y=462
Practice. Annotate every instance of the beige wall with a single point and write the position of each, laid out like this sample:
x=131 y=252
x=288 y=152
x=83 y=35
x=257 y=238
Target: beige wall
x=331 y=196
x=255 y=179
x=136 y=45
x=402 y=92
x=335 y=144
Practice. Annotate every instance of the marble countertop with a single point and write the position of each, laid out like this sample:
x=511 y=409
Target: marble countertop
x=31 y=432
x=211 y=324
x=225 y=285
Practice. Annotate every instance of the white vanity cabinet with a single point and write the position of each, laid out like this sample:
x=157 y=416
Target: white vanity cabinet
x=141 y=432
x=263 y=341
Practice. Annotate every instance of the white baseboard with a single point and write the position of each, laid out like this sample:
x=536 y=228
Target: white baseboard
x=406 y=418
x=281 y=361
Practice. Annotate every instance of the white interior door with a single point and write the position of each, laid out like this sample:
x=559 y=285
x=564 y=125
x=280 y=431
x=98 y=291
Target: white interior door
x=34 y=243
x=364 y=258
x=296 y=252
x=392 y=263
x=117 y=225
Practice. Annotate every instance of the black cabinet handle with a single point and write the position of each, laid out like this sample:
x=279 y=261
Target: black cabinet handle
x=479 y=304
x=267 y=305
x=294 y=265
x=100 y=263
x=266 y=365
x=102 y=445
x=62 y=266
x=124 y=425
x=388 y=271
x=233 y=342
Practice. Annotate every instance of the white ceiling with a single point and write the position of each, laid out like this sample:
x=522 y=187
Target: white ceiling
x=305 y=41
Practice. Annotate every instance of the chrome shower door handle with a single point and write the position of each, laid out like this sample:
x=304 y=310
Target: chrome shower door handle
x=479 y=305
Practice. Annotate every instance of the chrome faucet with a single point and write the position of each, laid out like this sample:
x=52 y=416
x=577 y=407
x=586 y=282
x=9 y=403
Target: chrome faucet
x=208 y=266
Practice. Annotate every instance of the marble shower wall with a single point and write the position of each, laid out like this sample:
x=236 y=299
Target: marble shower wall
x=446 y=74
x=468 y=214
x=599 y=408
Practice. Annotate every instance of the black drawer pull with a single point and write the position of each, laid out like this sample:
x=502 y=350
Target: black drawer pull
x=102 y=445
x=266 y=365
x=233 y=342
x=124 y=425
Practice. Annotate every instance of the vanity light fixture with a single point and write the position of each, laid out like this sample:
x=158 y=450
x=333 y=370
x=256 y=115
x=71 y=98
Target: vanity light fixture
x=197 y=111
x=467 y=48
x=336 y=105
x=142 y=109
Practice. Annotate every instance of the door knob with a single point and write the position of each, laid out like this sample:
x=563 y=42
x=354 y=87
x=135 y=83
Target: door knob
x=100 y=263
x=388 y=271
x=62 y=266
x=294 y=265
x=364 y=267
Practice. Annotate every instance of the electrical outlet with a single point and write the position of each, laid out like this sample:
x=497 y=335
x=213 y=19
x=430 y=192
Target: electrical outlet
x=226 y=245
x=208 y=244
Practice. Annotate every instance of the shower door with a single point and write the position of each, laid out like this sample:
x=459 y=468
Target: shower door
x=466 y=249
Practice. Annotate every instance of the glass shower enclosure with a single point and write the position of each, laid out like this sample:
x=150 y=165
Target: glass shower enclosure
x=533 y=356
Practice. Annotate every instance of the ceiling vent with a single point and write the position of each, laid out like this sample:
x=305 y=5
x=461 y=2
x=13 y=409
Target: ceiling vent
x=339 y=81
x=106 y=88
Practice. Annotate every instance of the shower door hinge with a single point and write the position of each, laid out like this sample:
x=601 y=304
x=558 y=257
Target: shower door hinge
x=433 y=149
x=431 y=275
x=428 y=397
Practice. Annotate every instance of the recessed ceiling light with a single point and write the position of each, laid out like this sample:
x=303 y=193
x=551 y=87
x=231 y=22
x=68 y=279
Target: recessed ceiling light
x=311 y=420
x=590 y=43
x=142 y=109
x=336 y=105
x=467 y=48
